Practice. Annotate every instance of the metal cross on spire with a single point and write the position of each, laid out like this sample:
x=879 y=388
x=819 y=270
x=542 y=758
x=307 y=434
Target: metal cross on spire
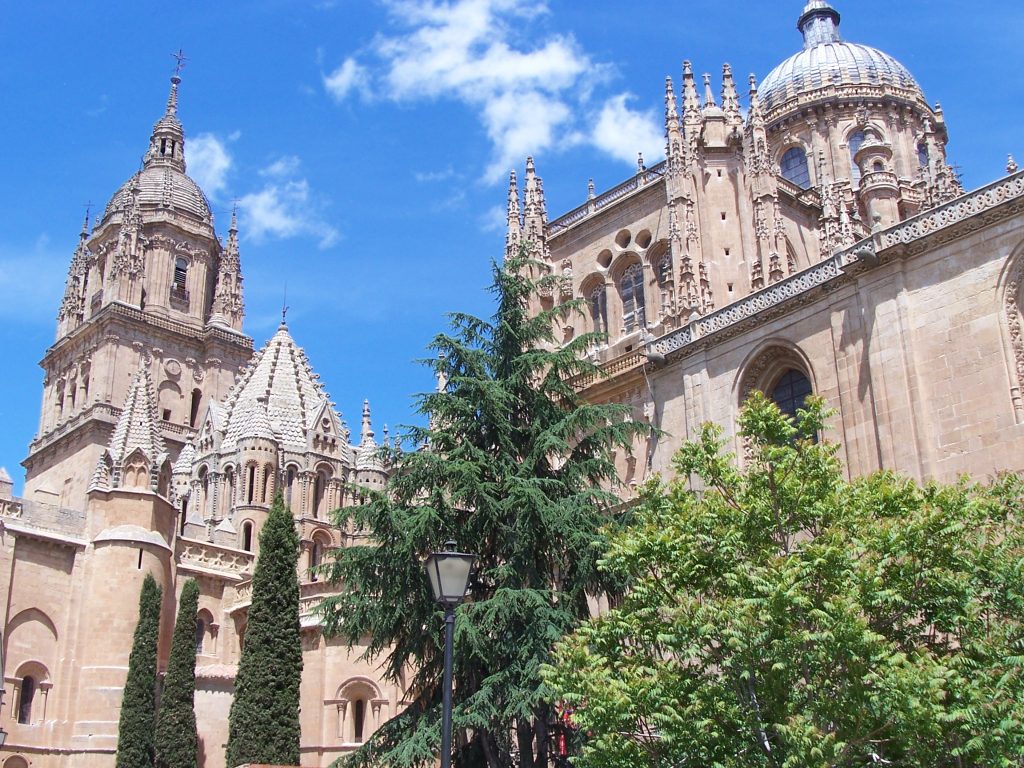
x=180 y=58
x=284 y=304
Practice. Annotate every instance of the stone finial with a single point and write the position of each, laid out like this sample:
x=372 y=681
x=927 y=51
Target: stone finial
x=590 y=189
x=755 y=117
x=640 y=167
x=709 y=97
x=691 y=101
x=1011 y=164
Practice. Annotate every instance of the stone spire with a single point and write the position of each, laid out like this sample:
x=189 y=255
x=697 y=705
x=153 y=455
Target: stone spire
x=709 y=97
x=819 y=24
x=691 y=101
x=730 y=98
x=535 y=214
x=369 y=458
x=514 y=233
x=675 y=151
x=228 y=302
x=755 y=115
x=72 y=306
x=136 y=451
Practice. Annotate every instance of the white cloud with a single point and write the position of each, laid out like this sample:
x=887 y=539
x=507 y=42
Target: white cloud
x=528 y=91
x=282 y=167
x=209 y=162
x=622 y=132
x=284 y=210
x=348 y=77
x=426 y=177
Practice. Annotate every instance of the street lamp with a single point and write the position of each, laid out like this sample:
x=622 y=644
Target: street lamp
x=448 y=572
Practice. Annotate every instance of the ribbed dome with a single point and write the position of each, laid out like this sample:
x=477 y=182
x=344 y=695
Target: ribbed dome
x=828 y=61
x=163 y=186
x=162 y=182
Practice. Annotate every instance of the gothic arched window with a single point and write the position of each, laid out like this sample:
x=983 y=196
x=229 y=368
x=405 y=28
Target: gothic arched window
x=854 y=142
x=922 y=154
x=200 y=633
x=795 y=168
x=358 y=720
x=599 y=309
x=631 y=287
x=247 y=536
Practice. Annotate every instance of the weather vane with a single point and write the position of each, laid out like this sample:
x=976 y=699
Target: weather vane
x=284 y=304
x=181 y=59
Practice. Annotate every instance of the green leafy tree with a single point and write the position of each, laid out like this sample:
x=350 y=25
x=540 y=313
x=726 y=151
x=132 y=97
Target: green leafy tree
x=512 y=473
x=138 y=704
x=787 y=617
x=263 y=726
x=176 y=744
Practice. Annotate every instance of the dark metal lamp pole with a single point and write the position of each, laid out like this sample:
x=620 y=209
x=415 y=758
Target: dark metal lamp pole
x=448 y=572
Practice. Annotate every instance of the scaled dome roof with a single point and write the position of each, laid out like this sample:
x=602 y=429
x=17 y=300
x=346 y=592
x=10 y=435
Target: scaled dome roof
x=826 y=60
x=163 y=186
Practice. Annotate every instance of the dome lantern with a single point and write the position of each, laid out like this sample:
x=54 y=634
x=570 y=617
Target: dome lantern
x=819 y=24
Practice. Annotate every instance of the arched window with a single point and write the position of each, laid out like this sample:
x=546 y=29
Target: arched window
x=28 y=694
x=250 y=491
x=247 y=536
x=795 y=168
x=791 y=391
x=922 y=154
x=289 y=486
x=193 y=413
x=204 y=489
x=200 y=633
x=229 y=491
x=632 y=291
x=599 y=309
x=318 y=493
x=267 y=487
x=854 y=143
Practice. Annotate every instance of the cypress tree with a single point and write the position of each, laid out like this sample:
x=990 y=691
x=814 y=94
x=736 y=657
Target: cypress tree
x=514 y=473
x=176 y=741
x=264 y=721
x=138 y=705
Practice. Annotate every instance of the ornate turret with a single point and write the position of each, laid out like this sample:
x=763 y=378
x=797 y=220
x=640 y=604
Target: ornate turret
x=228 y=302
x=72 y=306
x=136 y=456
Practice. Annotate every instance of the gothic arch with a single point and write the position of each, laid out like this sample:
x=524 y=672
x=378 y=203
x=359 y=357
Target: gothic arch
x=767 y=364
x=1010 y=290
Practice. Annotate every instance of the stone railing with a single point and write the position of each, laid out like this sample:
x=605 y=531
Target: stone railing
x=10 y=508
x=243 y=596
x=616 y=365
x=576 y=215
x=953 y=212
x=208 y=556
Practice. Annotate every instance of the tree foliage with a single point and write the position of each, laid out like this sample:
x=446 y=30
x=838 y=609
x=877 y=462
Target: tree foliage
x=138 y=704
x=512 y=473
x=263 y=726
x=787 y=617
x=176 y=741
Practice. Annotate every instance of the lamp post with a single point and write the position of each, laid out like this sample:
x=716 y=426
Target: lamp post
x=448 y=572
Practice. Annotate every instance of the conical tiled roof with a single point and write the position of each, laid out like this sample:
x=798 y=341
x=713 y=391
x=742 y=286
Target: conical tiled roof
x=138 y=425
x=275 y=396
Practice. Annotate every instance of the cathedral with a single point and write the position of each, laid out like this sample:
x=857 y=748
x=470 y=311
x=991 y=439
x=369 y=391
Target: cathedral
x=807 y=237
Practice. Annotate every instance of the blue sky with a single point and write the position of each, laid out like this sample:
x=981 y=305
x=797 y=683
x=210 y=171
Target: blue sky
x=369 y=143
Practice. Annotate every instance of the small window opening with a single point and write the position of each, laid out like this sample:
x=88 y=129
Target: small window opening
x=163 y=146
x=723 y=215
x=140 y=559
x=193 y=414
x=730 y=287
x=200 y=634
x=719 y=173
x=247 y=536
x=184 y=516
x=180 y=275
x=359 y=716
x=142 y=299
x=28 y=694
x=251 y=491
x=167 y=414
x=726 y=251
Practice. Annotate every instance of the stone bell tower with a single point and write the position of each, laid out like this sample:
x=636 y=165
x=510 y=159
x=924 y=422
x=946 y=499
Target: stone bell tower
x=150 y=285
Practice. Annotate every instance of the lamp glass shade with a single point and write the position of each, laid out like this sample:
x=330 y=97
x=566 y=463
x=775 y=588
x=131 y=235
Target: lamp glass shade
x=3 y=736
x=449 y=576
